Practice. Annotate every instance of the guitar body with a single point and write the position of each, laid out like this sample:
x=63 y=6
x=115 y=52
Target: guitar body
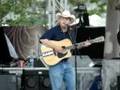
x=50 y=57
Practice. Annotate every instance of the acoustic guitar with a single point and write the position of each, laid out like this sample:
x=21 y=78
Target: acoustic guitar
x=51 y=57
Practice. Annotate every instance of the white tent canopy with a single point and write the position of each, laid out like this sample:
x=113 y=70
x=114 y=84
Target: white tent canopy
x=96 y=20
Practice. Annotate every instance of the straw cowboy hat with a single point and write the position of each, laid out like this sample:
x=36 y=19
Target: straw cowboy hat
x=67 y=14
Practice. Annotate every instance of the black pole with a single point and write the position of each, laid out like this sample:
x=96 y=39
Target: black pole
x=74 y=28
x=76 y=57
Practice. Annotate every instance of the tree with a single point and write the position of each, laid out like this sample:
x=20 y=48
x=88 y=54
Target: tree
x=32 y=12
x=22 y=12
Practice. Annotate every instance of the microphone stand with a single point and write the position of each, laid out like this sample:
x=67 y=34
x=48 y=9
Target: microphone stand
x=75 y=27
x=76 y=56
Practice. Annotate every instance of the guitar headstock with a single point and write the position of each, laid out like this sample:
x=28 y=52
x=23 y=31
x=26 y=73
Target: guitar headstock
x=98 y=39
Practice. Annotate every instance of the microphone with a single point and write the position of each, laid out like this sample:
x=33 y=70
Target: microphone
x=75 y=24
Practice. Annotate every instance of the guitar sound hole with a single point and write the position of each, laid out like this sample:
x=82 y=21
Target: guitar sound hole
x=60 y=55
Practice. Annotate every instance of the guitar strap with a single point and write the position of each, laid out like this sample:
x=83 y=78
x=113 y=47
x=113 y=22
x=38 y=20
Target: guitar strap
x=72 y=36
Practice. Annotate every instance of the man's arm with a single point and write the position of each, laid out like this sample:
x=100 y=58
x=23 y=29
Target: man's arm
x=50 y=44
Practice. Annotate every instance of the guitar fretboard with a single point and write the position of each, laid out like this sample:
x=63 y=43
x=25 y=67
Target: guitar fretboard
x=82 y=44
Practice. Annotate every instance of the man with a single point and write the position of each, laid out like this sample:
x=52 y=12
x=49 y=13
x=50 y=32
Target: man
x=62 y=71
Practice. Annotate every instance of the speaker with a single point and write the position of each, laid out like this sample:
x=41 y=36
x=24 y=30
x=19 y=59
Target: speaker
x=35 y=80
x=8 y=82
x=30 y=82
x=45 y=82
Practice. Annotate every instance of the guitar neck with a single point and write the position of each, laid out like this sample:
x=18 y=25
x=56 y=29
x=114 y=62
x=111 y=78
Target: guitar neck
x=92 y=41
x=82 y=44
x=75 y=45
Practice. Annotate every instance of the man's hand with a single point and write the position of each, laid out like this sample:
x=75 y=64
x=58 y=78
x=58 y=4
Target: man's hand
x=51 y=45
x=44 y=41
x=87 y=43
x=59 y=49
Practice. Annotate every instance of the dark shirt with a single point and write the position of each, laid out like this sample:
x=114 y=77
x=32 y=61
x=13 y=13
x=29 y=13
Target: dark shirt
x=57 y=34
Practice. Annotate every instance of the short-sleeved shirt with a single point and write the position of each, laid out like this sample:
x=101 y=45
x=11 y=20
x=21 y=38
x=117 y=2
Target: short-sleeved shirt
x=55 y=33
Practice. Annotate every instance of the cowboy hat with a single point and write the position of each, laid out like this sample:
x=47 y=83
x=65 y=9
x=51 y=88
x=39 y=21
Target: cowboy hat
x=66 y=14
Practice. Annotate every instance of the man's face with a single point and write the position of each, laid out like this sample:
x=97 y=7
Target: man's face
x=64 y=22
